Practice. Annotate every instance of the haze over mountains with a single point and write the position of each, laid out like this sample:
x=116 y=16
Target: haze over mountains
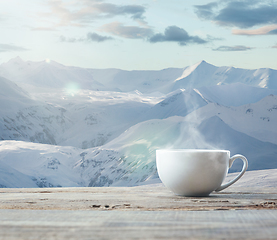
x=50 y=74
x=70 y=126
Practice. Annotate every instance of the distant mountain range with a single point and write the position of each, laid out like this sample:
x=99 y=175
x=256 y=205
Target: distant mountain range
x=51 y=74
x=69 y=126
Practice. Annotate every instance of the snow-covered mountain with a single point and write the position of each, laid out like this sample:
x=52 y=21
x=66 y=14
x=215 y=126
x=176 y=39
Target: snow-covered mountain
x=49 y=74
x=53 y=75
x=204 y=74
x=235 y=94
x=87 y=119
x=69 y=126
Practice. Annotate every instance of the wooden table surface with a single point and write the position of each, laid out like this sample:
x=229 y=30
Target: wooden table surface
x=142 y=198
x=246 y=210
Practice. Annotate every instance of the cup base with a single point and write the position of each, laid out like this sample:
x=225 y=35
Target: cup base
x=193 y=195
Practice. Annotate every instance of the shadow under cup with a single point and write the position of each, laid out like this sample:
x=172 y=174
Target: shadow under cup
x=196 y=172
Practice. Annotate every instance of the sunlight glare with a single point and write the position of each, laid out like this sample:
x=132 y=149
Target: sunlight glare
x=72 y=88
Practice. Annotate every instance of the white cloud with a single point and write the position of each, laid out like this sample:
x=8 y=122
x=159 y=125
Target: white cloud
x=176 y=34
x=82 y=12
x=133 y=32
x=232 y=48
x=265 y=30
x=91 y=37
x=242 y=14
x=11 y=48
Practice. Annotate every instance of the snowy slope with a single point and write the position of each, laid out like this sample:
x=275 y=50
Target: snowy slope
x=177 y=103
x=41 y=165
x=261 y=155
x=235 y=94
x=11 y=178
x=99 y=117
x=24 y=118
x=253 y=179
x=257 y=120
x=12 y=97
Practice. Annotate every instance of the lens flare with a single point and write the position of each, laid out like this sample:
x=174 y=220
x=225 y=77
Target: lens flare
x=72 y=88
x=47 y=60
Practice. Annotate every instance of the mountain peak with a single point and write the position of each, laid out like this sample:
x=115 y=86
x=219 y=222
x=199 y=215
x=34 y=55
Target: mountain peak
x=16 y=60
x=188 y=70
x=13 y=63
x=202 y=63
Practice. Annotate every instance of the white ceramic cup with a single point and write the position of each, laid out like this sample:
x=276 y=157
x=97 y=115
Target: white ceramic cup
x=196 y=172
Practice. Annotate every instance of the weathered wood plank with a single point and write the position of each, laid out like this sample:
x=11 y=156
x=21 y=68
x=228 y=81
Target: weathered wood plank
x=67 y=224
x=135 y=198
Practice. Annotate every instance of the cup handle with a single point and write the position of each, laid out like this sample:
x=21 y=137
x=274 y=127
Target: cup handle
x=231 y=160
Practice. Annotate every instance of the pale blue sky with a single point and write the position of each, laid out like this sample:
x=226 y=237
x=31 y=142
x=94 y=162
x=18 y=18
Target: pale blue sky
x=145 y=34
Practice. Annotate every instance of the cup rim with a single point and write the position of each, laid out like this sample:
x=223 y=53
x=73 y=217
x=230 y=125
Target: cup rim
x=191 y=150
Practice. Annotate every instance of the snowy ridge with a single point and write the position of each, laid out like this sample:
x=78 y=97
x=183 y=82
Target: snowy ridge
x=66 y=126
x=236 y=94
x=49 y=74
x=205 y=74
x=179 y=102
